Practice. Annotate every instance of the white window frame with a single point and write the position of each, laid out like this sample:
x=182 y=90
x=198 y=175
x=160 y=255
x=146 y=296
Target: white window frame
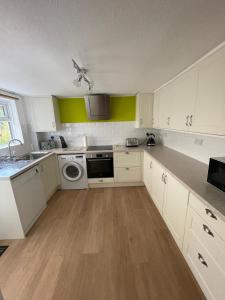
x=13 y=119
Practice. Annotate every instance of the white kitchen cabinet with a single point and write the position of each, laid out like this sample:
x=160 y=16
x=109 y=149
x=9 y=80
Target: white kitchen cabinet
x=45 y=113
x=175 y=208
x=166 y=106
x=204 y=249
x=49 y=175
x=144 y=110
x=158 y=185
x=29 y=196
x=147 y=171
x=127 y=159
x=210 y=105
x=127 y=174
x=184 y=99
x=156 y=103
x=195 y=100
x=127 y=166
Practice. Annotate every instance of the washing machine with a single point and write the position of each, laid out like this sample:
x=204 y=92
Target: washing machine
x=73 y=171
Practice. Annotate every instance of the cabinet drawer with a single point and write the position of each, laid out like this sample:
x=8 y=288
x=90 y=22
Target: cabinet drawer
x=208 y=215
x=208 y=237
x=127 y=159
x=128 y=174
x=100 y=180
x=208 y=273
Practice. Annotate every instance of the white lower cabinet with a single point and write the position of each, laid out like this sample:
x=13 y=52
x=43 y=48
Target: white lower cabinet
x=197 y=229
x=127 y=174
x=158 y=185
x=29 y=196
x=49 y=175
x=175 y=208
x=147 y=171
x=204 y=251
x=127 y=159
x=127 y=166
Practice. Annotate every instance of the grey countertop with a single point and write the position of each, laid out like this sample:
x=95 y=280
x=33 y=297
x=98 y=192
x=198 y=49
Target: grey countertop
x=193 y=174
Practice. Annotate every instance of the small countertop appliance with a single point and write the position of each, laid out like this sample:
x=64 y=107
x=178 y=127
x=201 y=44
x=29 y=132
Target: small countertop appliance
x=132 y=142
x=150 y=139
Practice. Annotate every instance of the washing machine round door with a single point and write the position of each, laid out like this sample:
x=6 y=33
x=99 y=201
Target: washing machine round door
x=72 y=171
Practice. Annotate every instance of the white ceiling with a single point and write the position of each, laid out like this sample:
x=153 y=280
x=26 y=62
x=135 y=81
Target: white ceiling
x=128 y=45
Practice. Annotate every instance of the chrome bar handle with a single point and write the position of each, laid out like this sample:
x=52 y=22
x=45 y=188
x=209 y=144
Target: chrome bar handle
x=190 y=122
x=201 y=259
x=207 y=230
x=187 y=120
x=210 y=213
x=165 y=179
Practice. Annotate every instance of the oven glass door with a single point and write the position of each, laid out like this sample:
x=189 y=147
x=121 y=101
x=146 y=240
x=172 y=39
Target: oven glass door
x=100 y=167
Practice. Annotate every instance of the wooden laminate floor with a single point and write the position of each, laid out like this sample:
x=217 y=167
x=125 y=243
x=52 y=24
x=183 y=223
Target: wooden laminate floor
x=97 y=244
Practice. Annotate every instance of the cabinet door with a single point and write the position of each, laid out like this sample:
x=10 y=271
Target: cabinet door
x=210 y=104
x=44 y=114
x=175 y=208
x=166 y=106
x=144 y=110
x=127 y=159
x=128 y=174
x=147 y=171
x=49 y=175
x=158 y=186
x=155 y=119
x=184 y=97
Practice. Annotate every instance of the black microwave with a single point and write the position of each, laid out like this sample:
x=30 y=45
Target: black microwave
x=216 y=172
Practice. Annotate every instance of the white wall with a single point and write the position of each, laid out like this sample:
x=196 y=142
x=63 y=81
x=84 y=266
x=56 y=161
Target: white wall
x=26 y=147
x=200 y=147
x=99 y=133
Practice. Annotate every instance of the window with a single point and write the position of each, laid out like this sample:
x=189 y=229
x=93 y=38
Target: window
x=9 y=122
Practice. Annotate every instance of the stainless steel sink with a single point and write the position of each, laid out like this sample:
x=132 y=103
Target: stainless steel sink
x=30 y=156
x=25 y=157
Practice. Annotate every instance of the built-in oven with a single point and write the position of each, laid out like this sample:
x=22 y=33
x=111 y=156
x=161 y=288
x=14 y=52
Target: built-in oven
x=100 y=165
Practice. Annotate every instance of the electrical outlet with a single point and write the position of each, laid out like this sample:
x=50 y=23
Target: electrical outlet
x=198 y=141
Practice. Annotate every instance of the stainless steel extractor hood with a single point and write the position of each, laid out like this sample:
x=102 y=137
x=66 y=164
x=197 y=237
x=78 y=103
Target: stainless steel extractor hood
x=97 y=106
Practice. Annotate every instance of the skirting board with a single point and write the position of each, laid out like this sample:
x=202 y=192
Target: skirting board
x=114 y=184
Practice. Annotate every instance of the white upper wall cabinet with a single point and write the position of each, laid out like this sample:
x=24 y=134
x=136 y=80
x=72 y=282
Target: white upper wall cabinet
x=44 y=114
x=209 y=114
x=184 y=98
x=155 y=119
x=144 y=110
x=195 y=100
x=166 y=107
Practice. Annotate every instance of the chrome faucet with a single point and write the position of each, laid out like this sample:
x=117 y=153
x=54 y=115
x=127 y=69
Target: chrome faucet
x=9 y=146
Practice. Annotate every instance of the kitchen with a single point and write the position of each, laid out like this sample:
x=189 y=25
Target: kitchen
x=112 y=166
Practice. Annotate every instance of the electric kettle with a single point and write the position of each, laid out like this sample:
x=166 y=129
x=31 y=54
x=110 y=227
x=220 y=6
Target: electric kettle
x=150 y=139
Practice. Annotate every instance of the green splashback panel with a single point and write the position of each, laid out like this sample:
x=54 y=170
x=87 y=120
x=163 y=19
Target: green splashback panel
x=72 y=110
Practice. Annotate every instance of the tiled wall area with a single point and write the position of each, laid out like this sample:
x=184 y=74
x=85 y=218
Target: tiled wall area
x=103 y=133
x=200 y=147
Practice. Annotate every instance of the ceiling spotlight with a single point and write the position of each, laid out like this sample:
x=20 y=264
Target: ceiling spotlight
x=81 y=74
